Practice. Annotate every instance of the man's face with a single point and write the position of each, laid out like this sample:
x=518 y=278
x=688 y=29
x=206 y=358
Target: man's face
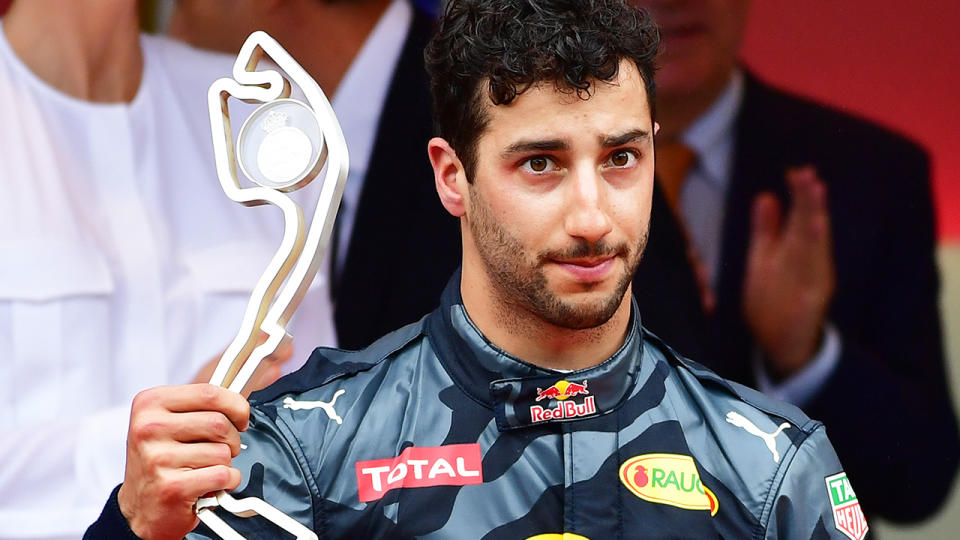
x=559 y=206
x=700 y=41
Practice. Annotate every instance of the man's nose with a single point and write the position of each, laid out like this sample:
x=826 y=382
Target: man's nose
x=587 y=215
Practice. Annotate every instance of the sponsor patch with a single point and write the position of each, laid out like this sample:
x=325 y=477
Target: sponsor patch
x=415 y=467
x=558 y=536
x=561 y=391
x=847 y=515
x=668 y=479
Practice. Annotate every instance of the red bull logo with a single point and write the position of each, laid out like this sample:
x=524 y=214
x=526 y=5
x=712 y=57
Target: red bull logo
x=560 y=391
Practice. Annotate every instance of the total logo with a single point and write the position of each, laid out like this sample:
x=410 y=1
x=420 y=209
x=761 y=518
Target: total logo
x=415 y=467
x=560 y=391
x=670 y=479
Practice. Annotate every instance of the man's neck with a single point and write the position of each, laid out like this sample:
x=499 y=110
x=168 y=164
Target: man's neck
x=88 y=49
x=524 y=335
x=344 y=27
x=677 y=111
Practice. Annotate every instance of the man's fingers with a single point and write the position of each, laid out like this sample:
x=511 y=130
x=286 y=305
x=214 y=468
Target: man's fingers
x=766 y=221
x=283 y=353
x=164 y=457
x=266 y=374
x=205 y=426
x=197 y=397
x=191 y=484
x=808 y=215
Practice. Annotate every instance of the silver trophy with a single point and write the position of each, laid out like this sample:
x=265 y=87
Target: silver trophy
x=281 y=147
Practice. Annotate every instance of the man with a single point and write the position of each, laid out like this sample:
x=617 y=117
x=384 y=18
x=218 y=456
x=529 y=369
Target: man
x=531 y=402
x=122 y=263
x=813 y=238
x=368 y=55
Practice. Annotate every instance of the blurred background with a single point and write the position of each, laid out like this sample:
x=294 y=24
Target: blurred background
x=895 y=63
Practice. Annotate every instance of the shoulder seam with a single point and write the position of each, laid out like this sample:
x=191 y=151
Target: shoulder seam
x=304 y=379
x=808 y=429
x=305 y=470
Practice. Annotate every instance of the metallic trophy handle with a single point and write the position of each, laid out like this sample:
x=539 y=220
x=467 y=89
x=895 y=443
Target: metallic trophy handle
x=282 y=147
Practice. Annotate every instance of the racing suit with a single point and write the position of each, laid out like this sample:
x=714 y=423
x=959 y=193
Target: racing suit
x=434 y=432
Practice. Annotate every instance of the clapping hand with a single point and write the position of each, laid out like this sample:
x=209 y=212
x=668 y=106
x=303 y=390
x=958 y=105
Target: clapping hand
x=790 y=276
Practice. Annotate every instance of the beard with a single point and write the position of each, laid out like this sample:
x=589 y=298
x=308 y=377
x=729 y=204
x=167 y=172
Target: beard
x=518 y=276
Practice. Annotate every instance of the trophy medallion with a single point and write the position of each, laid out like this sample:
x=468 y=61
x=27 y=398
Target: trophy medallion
x=280 y=145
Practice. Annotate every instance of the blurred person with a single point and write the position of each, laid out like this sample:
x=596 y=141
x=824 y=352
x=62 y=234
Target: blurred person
x=123 y=265
x=531 y=403
x=796 y=246
x=395 y=245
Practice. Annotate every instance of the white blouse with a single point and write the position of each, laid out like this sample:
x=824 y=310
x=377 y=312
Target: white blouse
x=122 y=266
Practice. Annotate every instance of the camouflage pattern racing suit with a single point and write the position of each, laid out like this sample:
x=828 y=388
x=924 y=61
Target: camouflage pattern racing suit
x=434 y=432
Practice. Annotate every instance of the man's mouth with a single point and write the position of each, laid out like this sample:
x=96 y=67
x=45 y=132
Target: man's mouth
x=587 y=269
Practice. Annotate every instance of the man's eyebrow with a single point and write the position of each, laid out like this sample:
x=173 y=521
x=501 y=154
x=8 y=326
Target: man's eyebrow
x=546 y=145
x=618 y=140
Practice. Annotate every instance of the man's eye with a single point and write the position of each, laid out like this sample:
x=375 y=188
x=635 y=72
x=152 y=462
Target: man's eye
x=538 y=164
x=623 y=158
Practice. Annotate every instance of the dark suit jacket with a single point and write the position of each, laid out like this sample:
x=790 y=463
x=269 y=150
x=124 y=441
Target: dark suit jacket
x=886 y=407
x=404 y=244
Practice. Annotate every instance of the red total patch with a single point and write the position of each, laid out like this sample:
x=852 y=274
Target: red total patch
x=450 y=465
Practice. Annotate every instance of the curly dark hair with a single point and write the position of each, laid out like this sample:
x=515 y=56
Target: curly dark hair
x=510 y=45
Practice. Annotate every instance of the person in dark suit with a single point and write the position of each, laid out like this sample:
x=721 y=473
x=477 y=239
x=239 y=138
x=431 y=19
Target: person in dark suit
x=395 y=244
x=797 y=253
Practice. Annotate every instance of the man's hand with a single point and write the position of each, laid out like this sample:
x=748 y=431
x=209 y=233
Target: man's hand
x=790 y=274
x=179 y=447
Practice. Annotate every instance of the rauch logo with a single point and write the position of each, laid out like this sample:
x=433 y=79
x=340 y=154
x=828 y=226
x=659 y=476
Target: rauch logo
x=668 y=479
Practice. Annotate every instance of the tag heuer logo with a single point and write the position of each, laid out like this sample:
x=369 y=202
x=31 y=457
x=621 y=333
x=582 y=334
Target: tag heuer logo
x=847 y=514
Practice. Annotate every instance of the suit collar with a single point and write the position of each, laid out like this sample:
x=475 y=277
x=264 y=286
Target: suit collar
x=711 y=135
x=522 y=394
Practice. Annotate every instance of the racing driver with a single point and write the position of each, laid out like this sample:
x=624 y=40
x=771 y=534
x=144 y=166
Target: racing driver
x=531 y=402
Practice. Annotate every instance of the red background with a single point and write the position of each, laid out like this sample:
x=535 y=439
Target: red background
x=892 y=61
x=897 y=63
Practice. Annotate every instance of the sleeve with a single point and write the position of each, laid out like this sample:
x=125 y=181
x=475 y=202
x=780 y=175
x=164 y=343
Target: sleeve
x=891 y=383
x=57 y=474
x=111 y=523
x=271 y=471
x=814 y=498
x=274 y=470
x=802 y=385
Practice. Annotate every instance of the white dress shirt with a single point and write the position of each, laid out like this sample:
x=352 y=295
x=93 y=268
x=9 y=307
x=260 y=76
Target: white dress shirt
x=122 y=266
x=702 y=205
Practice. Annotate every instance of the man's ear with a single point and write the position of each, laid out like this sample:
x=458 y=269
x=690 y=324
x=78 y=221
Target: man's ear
x=448 y=175
x=656 y=128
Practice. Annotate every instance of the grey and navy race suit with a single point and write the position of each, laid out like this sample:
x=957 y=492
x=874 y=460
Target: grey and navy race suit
x=434 y=432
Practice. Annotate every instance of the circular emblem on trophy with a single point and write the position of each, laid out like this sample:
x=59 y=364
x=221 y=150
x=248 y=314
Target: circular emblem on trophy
x=281 y=145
